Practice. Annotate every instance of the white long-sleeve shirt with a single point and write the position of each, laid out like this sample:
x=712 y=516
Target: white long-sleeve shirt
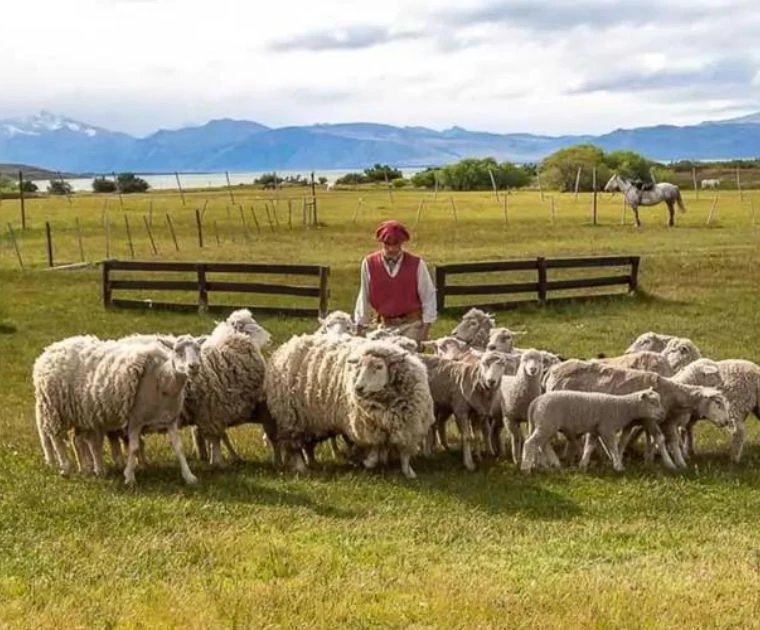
x=425 y=289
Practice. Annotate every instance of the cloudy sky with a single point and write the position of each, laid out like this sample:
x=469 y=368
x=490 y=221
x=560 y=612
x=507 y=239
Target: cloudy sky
x=551 y=66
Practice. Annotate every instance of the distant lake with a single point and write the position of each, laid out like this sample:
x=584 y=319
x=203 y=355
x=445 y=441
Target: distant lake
x=167 y=181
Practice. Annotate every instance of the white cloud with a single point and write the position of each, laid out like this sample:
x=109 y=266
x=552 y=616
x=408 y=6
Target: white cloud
x=503 y=65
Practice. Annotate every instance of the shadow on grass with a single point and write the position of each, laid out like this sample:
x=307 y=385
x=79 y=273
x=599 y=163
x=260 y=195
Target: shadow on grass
x=7 y=329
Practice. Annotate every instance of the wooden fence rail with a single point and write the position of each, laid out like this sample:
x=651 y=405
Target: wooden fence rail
x=202 y=285
x=542 y=284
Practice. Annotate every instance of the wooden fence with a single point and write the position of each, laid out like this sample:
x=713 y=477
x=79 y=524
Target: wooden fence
x=542 y=285
x=202 y=285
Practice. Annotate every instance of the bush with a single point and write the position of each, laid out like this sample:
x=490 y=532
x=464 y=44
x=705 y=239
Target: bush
x=270 y=180
x=59 y=187
x=426 y=178
x=130 y=183
x=381 y=172
x=103 y=185
x=399 y=182
x=29 y=186
x=352 y=179
x=475 y=174
x=322 y=181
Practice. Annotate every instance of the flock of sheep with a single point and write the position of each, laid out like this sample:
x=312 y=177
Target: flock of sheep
x=380 y=398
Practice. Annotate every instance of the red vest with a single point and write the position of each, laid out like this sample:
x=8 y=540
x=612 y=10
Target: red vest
x=393 y=297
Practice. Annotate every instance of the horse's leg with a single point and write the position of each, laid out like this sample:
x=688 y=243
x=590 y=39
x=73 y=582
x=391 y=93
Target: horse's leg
x=635 y=210
x=671 y=211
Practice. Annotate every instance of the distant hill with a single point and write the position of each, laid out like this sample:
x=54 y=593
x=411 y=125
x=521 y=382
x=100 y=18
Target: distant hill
x=32 y=172
x=55 y=142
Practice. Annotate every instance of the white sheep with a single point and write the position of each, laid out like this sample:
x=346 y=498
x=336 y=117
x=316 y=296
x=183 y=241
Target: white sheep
x=94 y=386
x=337 y=323
x=641 y=360
x=649 y=341
x=373 y=392
x=517 y=392
x=679 y=352
x=593 y=414
x=452 y=348
x=474 y=328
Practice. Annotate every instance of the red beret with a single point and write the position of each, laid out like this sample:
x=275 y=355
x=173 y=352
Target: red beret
x=391 y=232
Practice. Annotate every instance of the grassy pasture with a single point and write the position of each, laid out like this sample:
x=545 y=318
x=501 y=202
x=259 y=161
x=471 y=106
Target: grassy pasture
x=252 y=547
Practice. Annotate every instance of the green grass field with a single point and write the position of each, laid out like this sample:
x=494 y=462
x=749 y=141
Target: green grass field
x=255 y=547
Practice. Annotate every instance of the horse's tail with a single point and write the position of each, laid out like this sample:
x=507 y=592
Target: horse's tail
x=679 y=201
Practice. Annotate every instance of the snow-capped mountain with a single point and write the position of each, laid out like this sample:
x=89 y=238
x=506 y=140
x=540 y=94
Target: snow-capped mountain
x=44 y=122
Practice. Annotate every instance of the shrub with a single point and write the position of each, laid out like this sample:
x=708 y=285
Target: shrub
x=103 y=185
x=399 y=182
x=381 y=172
x=130 y=183
x=59 y=187
x=352 y=179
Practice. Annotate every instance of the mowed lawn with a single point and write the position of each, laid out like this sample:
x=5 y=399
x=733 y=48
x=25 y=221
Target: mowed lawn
x=251 y=546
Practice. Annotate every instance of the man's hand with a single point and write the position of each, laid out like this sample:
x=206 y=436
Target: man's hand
x=424 y=332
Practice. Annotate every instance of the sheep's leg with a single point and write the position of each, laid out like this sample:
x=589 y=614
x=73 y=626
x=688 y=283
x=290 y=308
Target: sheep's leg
x=176 y=441
x=230 y=448
x=737 y=442
x=630 y=435
x=428 y=442
x=95 y=444
x=517 y=440
x=406 y=467
x=334 y=447
x=199 y=444
x=308 y=454
x=589 y=446
x=114 y=441
x=443 y=440
x=659 y=440
x=295 y=459
x=550 y=455
x=609 y=440
x=466 y=430
x=215 y=457
x=82 y=454
x=688 y=440
x=528 y=461
x=496 y=426
x=45 y=442
x=133 y=447
x=673 y=443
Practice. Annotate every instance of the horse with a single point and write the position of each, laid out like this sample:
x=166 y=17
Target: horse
x=669 y=193
x=710 y=183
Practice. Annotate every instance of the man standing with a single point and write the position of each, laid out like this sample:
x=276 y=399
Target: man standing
x=396 y=284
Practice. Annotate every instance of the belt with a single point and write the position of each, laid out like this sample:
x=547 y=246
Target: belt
x=412 y=316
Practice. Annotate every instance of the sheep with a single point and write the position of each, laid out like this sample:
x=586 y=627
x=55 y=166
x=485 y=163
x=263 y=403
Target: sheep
x=679 y=399
x=94 y=386
x=516 y=394
x=502 y=339
x=474 y=328
x=740 y=383
x=373 y=392
x=228 y=389
x=337 y=323
x=452 y=348
x=680 y=351
x=641 y=360
x=464 y=389
x=649 y=341
x=591 y=413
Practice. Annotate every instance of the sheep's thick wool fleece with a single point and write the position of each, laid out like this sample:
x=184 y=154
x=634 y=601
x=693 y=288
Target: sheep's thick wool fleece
x=87 y=383
x=229 y=383
x=310 y=393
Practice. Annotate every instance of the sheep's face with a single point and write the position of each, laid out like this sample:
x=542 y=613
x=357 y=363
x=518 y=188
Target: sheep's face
x=679 y=353
x=450 y=347
x=707 y=373
x=548 y=360
x=492 y=367
x=532 y=363
x=242 y=321
x=472 y=323
x=405 y=343
x=186 y=355
x=337 y=323
x=650 y=405
x=500 y=340
x=371 y=376
x=715 y=407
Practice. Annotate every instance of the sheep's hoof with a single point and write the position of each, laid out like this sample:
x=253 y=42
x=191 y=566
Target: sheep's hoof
x=129 y=481
x=469 y=465
x=191 y=480
x=409 y=473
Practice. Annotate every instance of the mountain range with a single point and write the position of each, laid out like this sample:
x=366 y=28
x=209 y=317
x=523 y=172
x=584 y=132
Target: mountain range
x=59 y=143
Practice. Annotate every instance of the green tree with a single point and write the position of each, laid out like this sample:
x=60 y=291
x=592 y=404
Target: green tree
x=560 y=169
x=59 y=187
x=475 y=174
x=130 y=183
x=29 y=186
x=103 y=185
x=352 y=179
x=378 y=173
x=426 y=178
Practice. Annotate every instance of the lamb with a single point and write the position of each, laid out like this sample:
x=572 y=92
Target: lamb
x=740 y=383
x=92 y=386
x=464 y=389
x=373 y=392
x=593 y=414
x=474 y=328
x=517 y=392
x=679 y=399
x=502 y=339
x=452 y=348
x=649 y=341
x=641 y=360
x=680 y=351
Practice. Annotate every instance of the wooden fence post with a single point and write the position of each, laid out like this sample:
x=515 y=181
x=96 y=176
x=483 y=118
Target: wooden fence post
x=324 y=292
x=506 y=208
x=244 y=224
x=199 y=227
x=739 y=184
x=216 y=233
x=171 y=230
x=49 y=243
x=290 y=214
x=593 y=198
x=633 y=285
x=21 y=199
x=79 y=239
x=179 y=185
x=255 y=219
x=106 y=284
x=694 y=181
x=229 y=187
x=129 y=236
x=577 y=182
x=150 y=235
x=541 y=266
x=202 y=290
x=107 y=220
x=440 y=288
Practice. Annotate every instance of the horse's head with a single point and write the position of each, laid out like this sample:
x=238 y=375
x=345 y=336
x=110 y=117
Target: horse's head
x=612 y=184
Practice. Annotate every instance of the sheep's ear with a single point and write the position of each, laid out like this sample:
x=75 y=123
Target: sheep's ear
x=397 y=358
x=321 y=320
x=201 y=340
x=166 y=343
x=352 y=360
